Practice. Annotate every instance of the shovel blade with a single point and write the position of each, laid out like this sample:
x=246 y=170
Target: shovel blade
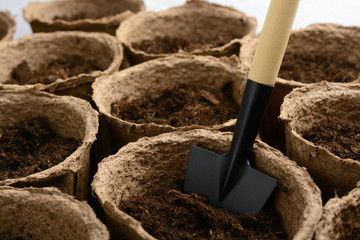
x=247 y=192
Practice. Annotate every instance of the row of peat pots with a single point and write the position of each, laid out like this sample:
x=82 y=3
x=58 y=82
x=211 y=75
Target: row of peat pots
x=139 y=124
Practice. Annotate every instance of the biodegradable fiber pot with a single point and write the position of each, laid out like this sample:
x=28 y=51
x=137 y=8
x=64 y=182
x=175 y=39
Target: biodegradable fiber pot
x=85 y=15
x=318 y=52
x=153 y=77
x=7 y=26
x=65 y=62
x=68 y=117
x=46 y=213
x=143 y=166
x=341 y=218
x=210 y=29
x=323 y=104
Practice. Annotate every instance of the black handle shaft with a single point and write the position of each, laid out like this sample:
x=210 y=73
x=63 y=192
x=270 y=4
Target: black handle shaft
x=253 y=106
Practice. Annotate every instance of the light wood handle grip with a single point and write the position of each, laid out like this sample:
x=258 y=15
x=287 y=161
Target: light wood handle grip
x=273 y=41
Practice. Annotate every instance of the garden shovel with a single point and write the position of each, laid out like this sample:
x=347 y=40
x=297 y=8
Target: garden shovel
x=227 y=180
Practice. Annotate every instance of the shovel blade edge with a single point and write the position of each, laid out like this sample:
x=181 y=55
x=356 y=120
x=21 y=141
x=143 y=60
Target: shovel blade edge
x=247 y=192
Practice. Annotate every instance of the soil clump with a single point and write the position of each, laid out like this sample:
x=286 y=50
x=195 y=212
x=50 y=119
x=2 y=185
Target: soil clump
x=342 y=138
x=72 y=66
x=170 y=214
x=312 y=69
x=182 y=105
x=163 y=45
x=32 y=146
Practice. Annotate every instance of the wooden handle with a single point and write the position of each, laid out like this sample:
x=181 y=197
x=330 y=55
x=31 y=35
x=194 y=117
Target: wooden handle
x=273 y=41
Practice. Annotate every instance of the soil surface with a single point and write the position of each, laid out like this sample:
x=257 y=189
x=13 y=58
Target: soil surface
x=312 y=69
x=78 y=16
x=161 y=45
x=72 y=66
x=30 y=147
x=3 y=32
x=182 y=105
x=170 y=214
x=354 y=234
x=339 y=137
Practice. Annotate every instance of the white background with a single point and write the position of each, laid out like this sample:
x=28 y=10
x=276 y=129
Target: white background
x=345 y=12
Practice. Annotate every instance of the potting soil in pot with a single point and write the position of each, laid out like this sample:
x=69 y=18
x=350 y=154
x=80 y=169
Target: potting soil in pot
x=342 y=138
x=167 y=44
x=79 y=16
x=312 y=69
x=170 y=214
x=30 y=147
x=3 y=32
x=181 y=105
x=71 y=65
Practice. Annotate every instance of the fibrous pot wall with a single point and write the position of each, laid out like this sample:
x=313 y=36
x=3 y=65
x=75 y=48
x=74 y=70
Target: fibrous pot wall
x=341 y=218
x=46 y=213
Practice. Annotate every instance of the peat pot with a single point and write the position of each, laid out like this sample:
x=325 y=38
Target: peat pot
x=7 y=26
x=198 y=27
x=46 y=213
x=157 y=165
x=319 y=52
x=341 y=218
x=131 y=88
x=64 y=63
x=322 y=134
x=60 y=120
x=84 y=15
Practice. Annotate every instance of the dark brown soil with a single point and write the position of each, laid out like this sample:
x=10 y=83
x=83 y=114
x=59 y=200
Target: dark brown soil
x=160 y=45
x=174 y=215
x=348 y=220
x=312 y=69
x=30 y=147
x=182 y=105
x=78 y=16
x=72 y=66
x=353 y=235
x=3 y=32
x=339 y=137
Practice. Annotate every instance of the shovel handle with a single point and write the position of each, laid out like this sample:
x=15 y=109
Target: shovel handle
x=273 y=41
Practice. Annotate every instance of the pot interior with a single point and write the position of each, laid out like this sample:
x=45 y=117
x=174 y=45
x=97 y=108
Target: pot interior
x=63 y=117
x=69 y=54
x=158 y=164
x=78 y=10
x=317 y=54
x=3 y=28
x=327 y=120
x=201 y=24
x=152 y=78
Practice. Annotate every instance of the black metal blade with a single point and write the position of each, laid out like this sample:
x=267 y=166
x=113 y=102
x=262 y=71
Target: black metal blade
x=248 y=191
